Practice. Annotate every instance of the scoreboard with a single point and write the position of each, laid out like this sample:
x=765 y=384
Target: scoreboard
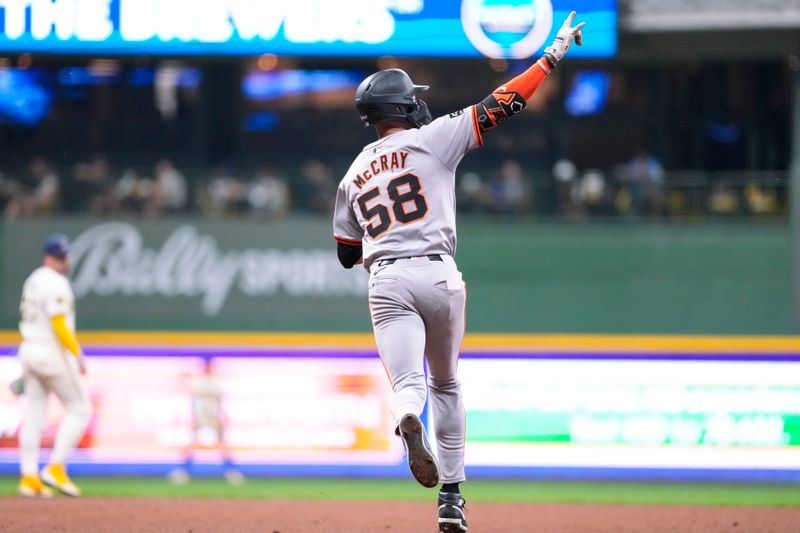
x=419 y=28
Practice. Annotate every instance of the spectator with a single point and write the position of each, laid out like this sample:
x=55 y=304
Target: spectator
x=224 y=194
x=473 y=194
x=133 y=193
x=78 y=189
x=45 y=193
x=644 y=177
x=511 y=194
x=9 y=189
x=317 y=187
x=39 y=193
x=103 y=200
x=169 y=193
x=90 y=188
x=760 y=201
x=565 y=175
x=268 y=194
x=723 y=200
x=592 y=193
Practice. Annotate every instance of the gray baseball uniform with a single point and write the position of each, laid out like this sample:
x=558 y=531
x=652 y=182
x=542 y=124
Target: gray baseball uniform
x=397 y=200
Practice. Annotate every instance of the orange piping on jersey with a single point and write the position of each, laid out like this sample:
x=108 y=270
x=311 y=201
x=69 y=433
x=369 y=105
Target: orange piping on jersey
x=526 y=83
x=478 y=136
x=346 y=241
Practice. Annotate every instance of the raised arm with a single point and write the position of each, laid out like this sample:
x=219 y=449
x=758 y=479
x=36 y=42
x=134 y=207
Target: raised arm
x=512 y=97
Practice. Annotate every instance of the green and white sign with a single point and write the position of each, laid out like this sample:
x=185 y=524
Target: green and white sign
x=632 y=413
x=243 y=274
x=195 y=274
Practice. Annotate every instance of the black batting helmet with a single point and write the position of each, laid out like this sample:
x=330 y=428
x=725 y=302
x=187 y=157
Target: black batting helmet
x=391 y=95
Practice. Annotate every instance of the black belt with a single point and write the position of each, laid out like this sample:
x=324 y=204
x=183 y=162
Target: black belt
x=384 y=262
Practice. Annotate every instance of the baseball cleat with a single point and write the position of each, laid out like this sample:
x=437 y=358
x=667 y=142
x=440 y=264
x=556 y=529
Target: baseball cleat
x=179 y=476
x=452 y=518
x=421 y=460
x=56 y=476
x=234 y=477
x=32 y=487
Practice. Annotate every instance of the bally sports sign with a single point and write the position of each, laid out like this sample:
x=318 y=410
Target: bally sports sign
x=111 y=259
x=494 y=28
x=193 y=273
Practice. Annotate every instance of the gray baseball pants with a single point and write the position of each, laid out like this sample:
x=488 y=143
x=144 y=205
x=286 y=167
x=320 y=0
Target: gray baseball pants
x=417 y=307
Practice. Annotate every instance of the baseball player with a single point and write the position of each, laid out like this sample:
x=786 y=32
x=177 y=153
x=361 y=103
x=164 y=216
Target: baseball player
x=52 y=361
x=395 y=213
x=208 y=428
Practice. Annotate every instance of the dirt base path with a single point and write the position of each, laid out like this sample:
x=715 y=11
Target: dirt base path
x=124 y=515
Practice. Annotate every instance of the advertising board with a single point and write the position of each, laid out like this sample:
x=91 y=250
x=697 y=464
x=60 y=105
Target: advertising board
x=273 y=410
x=468 y=28
x=307 y=411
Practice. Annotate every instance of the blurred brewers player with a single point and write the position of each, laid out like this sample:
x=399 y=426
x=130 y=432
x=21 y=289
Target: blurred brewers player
x=208 y=428
x=52 y=361
x=395 y=212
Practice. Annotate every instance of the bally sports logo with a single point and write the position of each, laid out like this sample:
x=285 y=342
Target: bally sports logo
x=111 y=260
x=509 y=29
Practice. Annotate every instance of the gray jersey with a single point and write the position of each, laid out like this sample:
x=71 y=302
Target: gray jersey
x=398 y=197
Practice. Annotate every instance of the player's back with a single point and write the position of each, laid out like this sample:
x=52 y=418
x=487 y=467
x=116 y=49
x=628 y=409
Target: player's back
x=45 y=294
x=398 y=197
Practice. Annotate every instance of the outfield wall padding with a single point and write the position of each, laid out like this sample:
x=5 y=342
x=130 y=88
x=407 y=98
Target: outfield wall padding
x=250 y=275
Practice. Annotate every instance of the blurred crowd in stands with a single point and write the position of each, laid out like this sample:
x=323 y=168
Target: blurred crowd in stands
x=95 y=187
x=128 y=138
x=638 y=188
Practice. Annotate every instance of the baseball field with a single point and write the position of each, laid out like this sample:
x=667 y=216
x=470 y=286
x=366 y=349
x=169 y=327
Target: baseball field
x=366 y=505
x=366 y=502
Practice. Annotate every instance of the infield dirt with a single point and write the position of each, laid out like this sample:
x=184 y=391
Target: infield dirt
x=141 y=515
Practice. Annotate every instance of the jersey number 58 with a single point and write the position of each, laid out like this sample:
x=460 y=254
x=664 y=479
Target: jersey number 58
x=403 y=192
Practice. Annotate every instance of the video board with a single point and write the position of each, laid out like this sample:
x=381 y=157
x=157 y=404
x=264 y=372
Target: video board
x=310 y=410
x=454 y=28
x=272 y=410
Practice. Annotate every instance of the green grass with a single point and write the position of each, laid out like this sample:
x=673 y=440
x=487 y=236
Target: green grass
x=508 y=491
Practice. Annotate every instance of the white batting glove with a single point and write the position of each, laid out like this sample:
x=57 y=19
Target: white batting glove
x=556 y=51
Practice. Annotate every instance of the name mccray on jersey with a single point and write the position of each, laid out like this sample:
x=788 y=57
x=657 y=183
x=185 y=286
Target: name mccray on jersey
x=398 y=197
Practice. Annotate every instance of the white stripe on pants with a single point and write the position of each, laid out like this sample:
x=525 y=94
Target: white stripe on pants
x=417 y=309
x=49 y=368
